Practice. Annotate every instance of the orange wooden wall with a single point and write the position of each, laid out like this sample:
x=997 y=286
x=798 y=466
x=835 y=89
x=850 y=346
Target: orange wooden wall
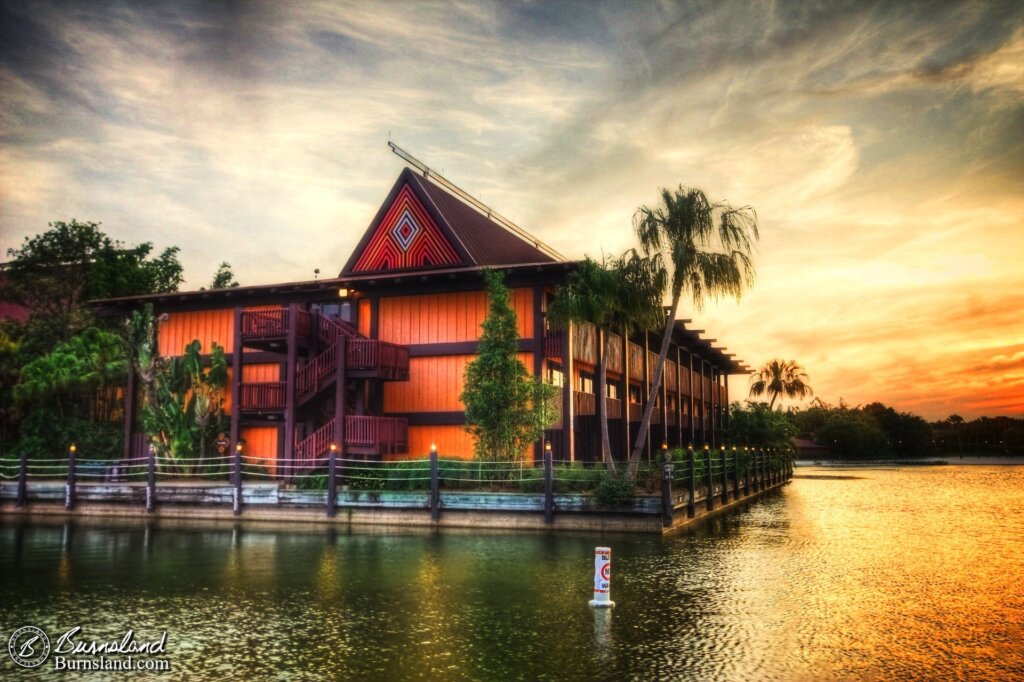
x=261 y=442
x=364 y=317
x=434 y=385
x=206 y=326
x=453 y=442
x=443 y=318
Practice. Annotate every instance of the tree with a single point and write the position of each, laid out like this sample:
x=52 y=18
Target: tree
x=224 y=278
x=55 y=272
x=757 y=425
x=506 y=409
x=620 y=294
x=708 y=247
x=186 y=408
x=780 y=377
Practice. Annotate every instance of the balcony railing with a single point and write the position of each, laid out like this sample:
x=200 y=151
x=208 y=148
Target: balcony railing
x=272 y=323
x=586 y=404
x=266 y=395
x=389 y=360
x=385 y=435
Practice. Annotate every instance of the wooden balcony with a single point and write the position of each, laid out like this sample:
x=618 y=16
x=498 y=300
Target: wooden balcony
x=636 y=412
x=370 y=358
x=614 y=408
x=586 y=403
x=376 y=435
x=263 y=396
x=272 y=324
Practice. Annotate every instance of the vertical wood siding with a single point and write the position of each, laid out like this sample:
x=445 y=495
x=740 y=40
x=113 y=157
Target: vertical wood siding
x=261 y=442
x=445 y=318
x=364 y=316
x=206 y=326
x=434 y=385
x=453 y=442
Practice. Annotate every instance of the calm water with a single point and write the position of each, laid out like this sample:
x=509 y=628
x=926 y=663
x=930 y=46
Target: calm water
x=915 y=573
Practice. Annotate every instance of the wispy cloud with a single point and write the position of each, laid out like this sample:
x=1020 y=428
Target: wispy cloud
x=881 y=145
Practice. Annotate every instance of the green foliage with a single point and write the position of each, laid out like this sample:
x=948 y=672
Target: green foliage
x=55 y=272
x=708 y=248
x=757 y=425
x=184 y=410
x=506 y=409
x=224 y=278
x=907 y=434
x=615 y=491
x=778 y=378
x=852 y=434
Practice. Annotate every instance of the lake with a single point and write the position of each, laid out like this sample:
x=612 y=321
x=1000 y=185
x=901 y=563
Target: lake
x=912 y=573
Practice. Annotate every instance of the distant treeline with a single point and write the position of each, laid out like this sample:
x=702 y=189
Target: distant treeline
x=876 y=430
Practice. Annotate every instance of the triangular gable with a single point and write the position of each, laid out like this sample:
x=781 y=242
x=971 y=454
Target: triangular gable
x=405 y=237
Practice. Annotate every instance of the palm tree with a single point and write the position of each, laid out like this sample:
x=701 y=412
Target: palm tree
x=617 y=294
x=780 y=377
x=708 y=247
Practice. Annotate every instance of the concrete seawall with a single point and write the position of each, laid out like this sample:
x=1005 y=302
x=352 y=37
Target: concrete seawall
x=458 y=509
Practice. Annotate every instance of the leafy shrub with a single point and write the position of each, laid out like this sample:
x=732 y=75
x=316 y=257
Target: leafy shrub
x=614 y=491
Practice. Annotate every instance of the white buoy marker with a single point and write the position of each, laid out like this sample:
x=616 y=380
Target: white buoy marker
x=602 y=577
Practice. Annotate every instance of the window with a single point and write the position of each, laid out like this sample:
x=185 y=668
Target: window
x=613 y=390
x=554 y=374
x=634 y=394
x=587 y=382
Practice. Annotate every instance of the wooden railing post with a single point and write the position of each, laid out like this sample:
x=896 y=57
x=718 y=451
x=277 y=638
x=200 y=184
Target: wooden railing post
x=735 y=474
x=150 y=480
x=69 y=487
x=332 y=481
x=435 y=486
x=237 y=495
x=725 y=476
x=710 y=499
x=691 y=505
x=23 y=480
x=549 y=486
x=667 y=473
x=746 y=473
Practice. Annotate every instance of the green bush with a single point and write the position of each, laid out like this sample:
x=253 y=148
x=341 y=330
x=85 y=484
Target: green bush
x=614 y=491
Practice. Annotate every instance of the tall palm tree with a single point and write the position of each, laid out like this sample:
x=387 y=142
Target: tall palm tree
x=617 y=294
x=708 y=248
x=780 y=377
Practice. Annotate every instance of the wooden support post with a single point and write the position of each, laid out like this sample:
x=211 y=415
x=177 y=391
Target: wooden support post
x=691 y=505
x=627 y=441
x=725 y=476
x=647 y=390
x=667 y=473
x=129 y=413
x=332 y=481
x=679 y=395
x=292 y=349
x=340 y=434
x=568 y=408
x=22 y=498
x=549 y=486
x=435 y=487
x=236 y=381
x=69 y=487
x=709 y=501
x=735 y=474
x=693 y=416
x=538 y=350
x=236 y=505
x=714 y=407
x=150 y=479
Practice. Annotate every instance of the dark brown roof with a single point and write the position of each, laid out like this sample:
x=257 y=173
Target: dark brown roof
x=486 y=241
x=480 y=241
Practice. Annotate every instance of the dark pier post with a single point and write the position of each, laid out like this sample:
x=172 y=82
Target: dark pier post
x=709 y=501
x=667 y=472
x=236 y=505
x=764 y=469
x=69 y=488
x=735 y=474
x=150 y=479
x=746 y=472
x=725 y=476
x=23 y=479
x=549 y=486
x=332 y=481
x=691 y=505
x=755 y=470
x=435 y=486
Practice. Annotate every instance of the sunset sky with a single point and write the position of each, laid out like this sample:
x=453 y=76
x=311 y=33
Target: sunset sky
x=881 y=144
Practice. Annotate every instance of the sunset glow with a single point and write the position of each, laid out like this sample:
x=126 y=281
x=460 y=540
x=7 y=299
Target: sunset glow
x=881 y=146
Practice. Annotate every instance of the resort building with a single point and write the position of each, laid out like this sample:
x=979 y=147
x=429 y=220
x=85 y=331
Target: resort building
x=373 y=359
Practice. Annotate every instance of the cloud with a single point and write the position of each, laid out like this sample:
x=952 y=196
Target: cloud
x=880 y=144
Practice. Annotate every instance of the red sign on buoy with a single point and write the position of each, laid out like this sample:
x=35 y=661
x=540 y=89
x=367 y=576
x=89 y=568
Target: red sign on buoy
x=602 y=577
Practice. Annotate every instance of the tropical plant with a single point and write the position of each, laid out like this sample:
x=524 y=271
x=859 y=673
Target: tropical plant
x=224 y=278
x=778 y=378
x=506 y=409
x=621 y=294
x=757 y=425
x=707 y=246
x=185 y=410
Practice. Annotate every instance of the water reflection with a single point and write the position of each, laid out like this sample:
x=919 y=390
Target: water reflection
x=896 y=574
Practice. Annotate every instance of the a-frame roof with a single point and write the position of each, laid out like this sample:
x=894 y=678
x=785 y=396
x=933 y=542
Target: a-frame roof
x=422 y=226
